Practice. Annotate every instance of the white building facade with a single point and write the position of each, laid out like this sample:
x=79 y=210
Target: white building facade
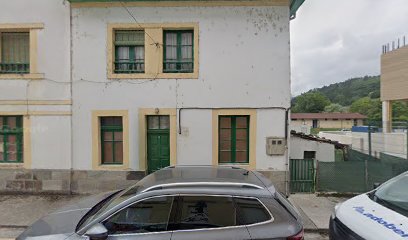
x=115 y=90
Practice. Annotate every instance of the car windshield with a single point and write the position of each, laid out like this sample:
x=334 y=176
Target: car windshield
x=107 y=204
x=394 y=195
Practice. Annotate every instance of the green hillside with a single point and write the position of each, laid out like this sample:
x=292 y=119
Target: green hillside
x=354 y=95
x=345 y=93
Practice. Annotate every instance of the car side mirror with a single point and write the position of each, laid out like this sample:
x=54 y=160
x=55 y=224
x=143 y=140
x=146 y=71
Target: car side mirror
x=97 y=232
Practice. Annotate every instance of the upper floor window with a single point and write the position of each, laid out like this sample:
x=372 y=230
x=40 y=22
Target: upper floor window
x=11 y=139
x=15 y=52
x=178 y=51
x=129 y=51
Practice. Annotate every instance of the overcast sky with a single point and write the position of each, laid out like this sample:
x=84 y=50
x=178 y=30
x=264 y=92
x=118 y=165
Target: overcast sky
x=334 y=40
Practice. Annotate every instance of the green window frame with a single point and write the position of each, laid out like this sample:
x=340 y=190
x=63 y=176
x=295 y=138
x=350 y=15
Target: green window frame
x=233 y=139
x=111 y=140
x=11 y=139
x=173 y=60
x=129 y=51
x=15 y=52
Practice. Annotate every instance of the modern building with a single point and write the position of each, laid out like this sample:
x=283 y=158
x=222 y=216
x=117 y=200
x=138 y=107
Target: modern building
x=327 y=120
x=95 y=94
x=394 y=84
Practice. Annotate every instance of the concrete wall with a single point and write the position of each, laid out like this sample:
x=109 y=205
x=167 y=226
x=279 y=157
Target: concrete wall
x=45 y=99
x=341 y=137
x=324 y=151
x=238 y=68
x=394 y=69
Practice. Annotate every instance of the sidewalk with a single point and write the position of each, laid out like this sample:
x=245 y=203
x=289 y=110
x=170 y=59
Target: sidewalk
x=20 y=211
x=315 y=211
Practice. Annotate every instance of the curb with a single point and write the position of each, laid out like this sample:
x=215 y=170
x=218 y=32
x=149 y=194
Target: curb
x=317 y=230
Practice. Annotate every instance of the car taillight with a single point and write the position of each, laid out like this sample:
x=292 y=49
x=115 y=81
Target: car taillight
x=298 y=236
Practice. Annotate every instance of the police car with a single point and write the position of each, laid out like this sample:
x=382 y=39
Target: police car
x=381 y=214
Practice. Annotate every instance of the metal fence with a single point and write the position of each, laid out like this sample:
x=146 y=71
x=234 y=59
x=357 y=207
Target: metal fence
x=358 y=173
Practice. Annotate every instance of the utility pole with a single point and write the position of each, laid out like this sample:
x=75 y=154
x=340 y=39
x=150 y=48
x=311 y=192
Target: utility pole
x=369 y=141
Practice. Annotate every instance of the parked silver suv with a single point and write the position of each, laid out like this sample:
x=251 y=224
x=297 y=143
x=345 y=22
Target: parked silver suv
x=179 y=203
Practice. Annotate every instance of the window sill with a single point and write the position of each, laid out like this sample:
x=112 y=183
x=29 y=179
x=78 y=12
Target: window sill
x=22 y=76
x=240 y=165
x=4 y=165
x=153 y=76
x=111 y=167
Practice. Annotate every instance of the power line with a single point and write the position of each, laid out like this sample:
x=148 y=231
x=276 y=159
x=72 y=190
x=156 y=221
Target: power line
x=134 y=18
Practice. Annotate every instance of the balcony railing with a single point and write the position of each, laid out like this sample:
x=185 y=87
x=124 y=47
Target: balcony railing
x=172 y=66
x=129 y=67
x=14 y=68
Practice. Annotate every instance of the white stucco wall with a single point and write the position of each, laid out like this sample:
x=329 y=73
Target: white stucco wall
x=324 y=151
x=50 y=135
x=243 y=62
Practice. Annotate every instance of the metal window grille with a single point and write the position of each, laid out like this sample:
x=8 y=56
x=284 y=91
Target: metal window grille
x=178 y=51
x=11 y=139
x=111 y=140
x=15 y=52
x=233 y=139
x=129 y=52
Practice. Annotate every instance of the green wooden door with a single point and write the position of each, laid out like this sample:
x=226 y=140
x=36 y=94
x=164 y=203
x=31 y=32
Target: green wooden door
x=158 y=143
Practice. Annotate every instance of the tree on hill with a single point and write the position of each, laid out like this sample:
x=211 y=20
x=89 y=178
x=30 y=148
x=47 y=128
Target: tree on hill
x=367 y=106
x=311 y=102
x=335 y=107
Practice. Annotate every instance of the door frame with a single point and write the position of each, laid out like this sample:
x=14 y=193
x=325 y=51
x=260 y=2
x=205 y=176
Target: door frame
x=143 y=113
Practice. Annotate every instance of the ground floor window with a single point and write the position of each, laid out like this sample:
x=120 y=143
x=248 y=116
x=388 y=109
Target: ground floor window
x=111 y=140
x=233 y=139
x=11 y=139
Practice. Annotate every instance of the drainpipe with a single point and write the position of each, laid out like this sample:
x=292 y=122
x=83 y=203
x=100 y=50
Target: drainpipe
x=72 y=100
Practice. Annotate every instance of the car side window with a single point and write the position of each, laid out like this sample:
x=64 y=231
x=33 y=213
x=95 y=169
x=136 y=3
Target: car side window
x=200 y=212
x=251 y=211
x=151 y=215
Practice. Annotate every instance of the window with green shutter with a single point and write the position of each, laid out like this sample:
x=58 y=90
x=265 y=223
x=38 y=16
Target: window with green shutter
x=111 y=140
x=15 y=52
x=233 y=142
x=129 y=51
x=11 y=139
x=178 y=51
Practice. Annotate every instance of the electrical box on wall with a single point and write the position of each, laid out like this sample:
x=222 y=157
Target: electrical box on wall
x=275 y=146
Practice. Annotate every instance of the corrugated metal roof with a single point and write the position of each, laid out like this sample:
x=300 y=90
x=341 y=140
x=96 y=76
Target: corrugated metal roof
x=327 y=116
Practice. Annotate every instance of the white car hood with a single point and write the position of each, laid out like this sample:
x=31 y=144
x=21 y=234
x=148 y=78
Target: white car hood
x=371 y=220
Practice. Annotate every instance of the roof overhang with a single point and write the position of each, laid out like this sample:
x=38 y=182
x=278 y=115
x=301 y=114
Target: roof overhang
x=293 y=4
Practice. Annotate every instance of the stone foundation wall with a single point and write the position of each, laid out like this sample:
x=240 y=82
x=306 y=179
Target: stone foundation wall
x=35 y=181
x=65 y=181
x=279 y=179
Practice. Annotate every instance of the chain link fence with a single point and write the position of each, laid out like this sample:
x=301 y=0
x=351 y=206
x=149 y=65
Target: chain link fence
x=373 y=157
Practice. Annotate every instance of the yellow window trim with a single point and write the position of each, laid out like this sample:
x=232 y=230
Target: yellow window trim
x=96 y=143
x=153 y=54
x=252 y=135
x=143 y=112
x=33 y=29
x=35 y=102
x=38 y=113
x=219 y=3
x=26 y=144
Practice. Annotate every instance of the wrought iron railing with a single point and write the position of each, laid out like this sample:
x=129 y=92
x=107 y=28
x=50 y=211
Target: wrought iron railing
x=129 y=67
x=14 y=68
x=172 y=66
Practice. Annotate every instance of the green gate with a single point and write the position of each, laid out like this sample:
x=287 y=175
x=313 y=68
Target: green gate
x=302 y=175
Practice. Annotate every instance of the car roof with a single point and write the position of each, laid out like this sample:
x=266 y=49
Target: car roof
x=208 y=177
